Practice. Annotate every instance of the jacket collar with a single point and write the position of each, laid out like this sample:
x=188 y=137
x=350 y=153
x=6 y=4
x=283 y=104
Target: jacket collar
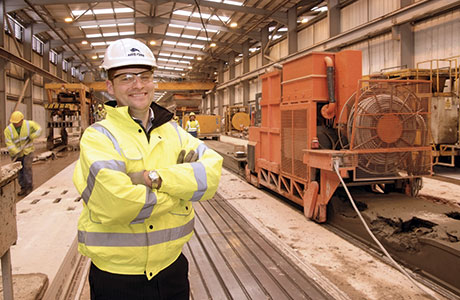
x=162 y=115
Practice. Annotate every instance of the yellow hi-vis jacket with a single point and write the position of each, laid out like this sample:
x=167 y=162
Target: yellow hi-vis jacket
x=192 y=126
x=128 y=228
x=22 y=144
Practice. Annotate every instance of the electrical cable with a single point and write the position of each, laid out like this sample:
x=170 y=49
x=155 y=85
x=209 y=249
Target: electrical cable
x=204 y=27
x=421 y=287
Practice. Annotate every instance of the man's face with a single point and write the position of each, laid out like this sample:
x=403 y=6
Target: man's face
x=18 y=124
x=192 y=118
x=132 y=87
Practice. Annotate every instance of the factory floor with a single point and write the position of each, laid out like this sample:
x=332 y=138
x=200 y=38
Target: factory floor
x=319 y=253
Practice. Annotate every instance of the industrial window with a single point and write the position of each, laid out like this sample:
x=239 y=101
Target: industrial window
x=53 y=57
x=73 y=72
x=65 y=65
x=17 y=28
x=37 y=45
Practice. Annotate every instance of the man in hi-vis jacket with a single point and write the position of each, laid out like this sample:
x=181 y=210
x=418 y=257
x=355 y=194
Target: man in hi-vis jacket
x=138 y=175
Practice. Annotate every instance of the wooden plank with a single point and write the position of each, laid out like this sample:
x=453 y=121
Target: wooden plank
x=246 y=281
x=251 y=257
x=296 y=276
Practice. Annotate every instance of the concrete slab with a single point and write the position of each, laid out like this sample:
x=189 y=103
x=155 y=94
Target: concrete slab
x=47 y=226
x=28 y=286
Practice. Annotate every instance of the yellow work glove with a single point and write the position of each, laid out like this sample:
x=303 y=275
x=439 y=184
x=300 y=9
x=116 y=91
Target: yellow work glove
x=192 y=156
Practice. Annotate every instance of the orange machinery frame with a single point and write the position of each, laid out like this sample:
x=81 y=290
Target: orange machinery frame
x=285 y=147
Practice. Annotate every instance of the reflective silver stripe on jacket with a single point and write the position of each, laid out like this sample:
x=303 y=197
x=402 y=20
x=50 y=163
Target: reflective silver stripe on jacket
x=175 y=125
x=108 y=134
x=146 y=211
x=113 y=239
x=115 y=165
x=200 y=176
x=201 y=149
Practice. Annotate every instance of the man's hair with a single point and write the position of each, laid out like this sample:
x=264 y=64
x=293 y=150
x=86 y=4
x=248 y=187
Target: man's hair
x=111 y=72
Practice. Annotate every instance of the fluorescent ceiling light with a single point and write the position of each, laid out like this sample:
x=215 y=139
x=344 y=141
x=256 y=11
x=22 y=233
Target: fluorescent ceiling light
x=176 y=55
x=110 y=34
x=98 y=44
x=163 y=54
x=184 y=62
x=127 y=33
x=179 y=69
x=169 y=42
x=203 y=38
x=186 y=36
x=162 y=59
x=176 y=26
x=187 y=57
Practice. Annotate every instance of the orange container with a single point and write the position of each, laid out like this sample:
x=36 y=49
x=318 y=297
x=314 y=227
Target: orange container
x=304 y=79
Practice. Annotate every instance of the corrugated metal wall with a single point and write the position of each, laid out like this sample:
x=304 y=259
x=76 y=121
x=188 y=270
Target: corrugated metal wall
x=363 y=11
x=381 y=52
x=437 y=37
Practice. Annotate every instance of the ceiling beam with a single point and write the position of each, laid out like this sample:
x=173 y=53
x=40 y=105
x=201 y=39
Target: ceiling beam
x=153 y=21
x=100 y=86
x=28 y=65
x=277 y=16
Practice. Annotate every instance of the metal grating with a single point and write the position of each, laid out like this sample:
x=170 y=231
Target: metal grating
x=300 y=139
x=286 y=141
x=293 y=141
x=388 y=125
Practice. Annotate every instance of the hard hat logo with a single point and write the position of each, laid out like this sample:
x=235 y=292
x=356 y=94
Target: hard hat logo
x=135 y=52
x=128 y=52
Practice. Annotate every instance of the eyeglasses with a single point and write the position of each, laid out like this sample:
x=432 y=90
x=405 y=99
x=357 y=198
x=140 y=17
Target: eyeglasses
x=129 y=78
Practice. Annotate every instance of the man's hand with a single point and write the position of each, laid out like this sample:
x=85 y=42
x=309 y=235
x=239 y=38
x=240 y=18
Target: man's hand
x=137 y=178
x=192 y=156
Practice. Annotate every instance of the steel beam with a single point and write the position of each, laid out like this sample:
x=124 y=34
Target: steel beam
x=28 y=65
x=100 y=86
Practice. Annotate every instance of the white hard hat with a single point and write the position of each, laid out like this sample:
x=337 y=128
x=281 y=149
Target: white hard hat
x=127 y=52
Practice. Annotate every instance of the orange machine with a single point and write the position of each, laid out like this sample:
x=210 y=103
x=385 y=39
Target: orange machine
x=317 y=113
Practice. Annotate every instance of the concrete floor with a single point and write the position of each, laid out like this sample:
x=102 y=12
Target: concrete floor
x=321 y=253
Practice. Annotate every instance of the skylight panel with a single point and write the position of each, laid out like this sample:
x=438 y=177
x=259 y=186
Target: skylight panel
x=176 y=26
x=163 y=54
x=183 y=44
x=197 y=46
x=179 y=69
x=169 y=42
x=197 y=15
x=233 y=2
x=187 y=57
x=183 y=62
x=174 y=61
x=127 y=33
x=162 y=59
x=98 y=44
x=123 y=10
x=187 y=36
x=94 y=35
x=110 y=34
x=176 y=55
x=89 y=26
x=103 y=11
x=172 y=34
x=203 y=38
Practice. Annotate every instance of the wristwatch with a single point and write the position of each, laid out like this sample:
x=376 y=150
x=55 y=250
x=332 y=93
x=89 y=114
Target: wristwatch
x=155 y=178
